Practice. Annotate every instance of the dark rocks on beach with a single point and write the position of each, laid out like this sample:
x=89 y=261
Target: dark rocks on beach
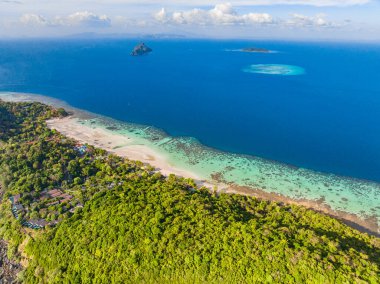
x=112 y=128
x=255 y=49
x=141 y=49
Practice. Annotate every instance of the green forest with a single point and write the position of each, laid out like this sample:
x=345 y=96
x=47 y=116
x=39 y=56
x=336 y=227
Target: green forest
x=135 y=225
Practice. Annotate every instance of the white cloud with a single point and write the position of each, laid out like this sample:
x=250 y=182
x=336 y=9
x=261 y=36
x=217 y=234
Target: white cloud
x=240 y=19
x=226 y=15
x=161 y=15
x=319 y=20
x=33 y=20
x=221 y=14
x=262 y=18
x=85 y=19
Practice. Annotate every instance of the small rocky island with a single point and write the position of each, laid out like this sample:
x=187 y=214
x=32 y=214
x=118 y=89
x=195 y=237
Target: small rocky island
x=141 y=49
x=255 y=49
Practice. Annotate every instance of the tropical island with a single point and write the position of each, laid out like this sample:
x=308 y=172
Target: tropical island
x=106 y=217
x=255 y=50
x=141 y=49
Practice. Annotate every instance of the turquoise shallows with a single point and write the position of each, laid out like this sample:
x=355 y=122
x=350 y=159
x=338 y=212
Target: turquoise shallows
x=275 y=69
x=354 y=196
x=349 y=195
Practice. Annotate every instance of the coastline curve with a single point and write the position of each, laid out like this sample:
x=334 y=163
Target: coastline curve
x=346 y=198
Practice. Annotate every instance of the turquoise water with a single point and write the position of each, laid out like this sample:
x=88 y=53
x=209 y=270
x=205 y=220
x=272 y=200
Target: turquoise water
x=275 y=69
x=353 y=196
x=340 y=193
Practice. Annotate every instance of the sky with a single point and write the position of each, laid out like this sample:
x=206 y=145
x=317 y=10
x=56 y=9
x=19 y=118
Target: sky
x=356 y=20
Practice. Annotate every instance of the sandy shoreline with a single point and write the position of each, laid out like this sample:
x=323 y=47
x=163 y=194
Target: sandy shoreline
x=124 y=146
x=127 y=147
x=117 y=144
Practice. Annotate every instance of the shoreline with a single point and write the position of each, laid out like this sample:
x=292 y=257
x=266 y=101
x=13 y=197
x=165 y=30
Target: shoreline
x=260 y=178
x=117 y=144
x=126 y=147
x=368 y=225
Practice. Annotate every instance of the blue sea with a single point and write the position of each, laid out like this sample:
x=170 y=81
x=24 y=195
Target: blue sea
x=325 y=118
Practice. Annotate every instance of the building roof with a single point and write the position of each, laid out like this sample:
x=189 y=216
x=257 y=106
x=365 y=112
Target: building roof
x=18 y=207
x=65 y=200
x=16 y=198
x=39 y=222
x=52 y=203
x=54 y=193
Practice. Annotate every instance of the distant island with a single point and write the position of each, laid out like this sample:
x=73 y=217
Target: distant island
x=141 y=49
x=255 y=49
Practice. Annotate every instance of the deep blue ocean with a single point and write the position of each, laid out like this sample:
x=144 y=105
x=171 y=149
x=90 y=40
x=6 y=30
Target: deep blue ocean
x=327 y=119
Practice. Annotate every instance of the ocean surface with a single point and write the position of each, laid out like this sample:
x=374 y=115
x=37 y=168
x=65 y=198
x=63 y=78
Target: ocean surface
x=216 y=110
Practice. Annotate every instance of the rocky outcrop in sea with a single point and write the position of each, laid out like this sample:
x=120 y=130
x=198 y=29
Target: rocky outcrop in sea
x=141 y=49
x=255 y=49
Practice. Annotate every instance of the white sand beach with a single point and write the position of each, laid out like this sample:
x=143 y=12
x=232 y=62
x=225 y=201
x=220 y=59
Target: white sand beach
x=118 y=144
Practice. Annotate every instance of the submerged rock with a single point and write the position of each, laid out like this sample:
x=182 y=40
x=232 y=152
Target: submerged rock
x=141 y=49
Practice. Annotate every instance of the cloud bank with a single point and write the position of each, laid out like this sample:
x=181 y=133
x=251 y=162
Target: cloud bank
x=221 y=14
x=319 y=20
x=211 y=18
x=85 y=19
x=89 y=4
x=225 y=14
x=33 y=20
